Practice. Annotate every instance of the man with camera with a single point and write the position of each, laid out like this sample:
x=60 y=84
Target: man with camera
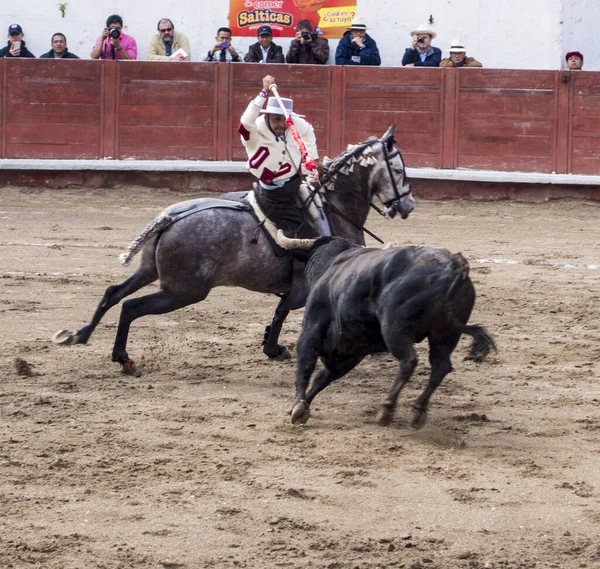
x=307 y=47
x=15 y=46
x=357 y=47
x=421 y=53
x=222 y=50
x=168 y=45
x=113 y=43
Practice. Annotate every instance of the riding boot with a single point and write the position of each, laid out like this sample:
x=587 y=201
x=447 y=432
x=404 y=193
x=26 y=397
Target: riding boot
x=321 y=224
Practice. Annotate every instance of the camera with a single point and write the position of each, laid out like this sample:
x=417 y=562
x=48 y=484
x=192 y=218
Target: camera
x=114 y=33
x=224 y=45
x=420 y=39
x=305 y=35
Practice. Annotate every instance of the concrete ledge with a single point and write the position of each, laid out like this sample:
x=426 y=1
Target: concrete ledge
x=228 y=167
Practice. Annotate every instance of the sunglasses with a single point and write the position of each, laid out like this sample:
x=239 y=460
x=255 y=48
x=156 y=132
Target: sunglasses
x=165 y=30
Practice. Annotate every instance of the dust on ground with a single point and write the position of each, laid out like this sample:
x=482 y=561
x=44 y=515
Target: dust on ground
x=196 y=465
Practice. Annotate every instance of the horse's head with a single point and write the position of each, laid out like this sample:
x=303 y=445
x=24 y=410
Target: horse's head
x=388 y=180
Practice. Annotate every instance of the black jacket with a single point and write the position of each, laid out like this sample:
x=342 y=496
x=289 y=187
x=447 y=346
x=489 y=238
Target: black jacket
x=66 y=55
x=254 y=54
x=4 y=52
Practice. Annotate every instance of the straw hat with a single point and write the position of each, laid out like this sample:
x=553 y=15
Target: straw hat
x=358 y=24
x=423 y=30
x=457 y=47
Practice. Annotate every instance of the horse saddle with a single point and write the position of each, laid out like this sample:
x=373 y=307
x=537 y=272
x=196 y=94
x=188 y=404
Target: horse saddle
x=180 y=210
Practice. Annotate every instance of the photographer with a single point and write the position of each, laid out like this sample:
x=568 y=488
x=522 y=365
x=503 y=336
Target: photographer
x=113 y=43
x=222 y=50
x=421 y=53
x=307 y=47
x=357 y=47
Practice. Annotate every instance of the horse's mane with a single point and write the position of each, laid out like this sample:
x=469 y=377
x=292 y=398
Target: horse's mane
x=343 y=162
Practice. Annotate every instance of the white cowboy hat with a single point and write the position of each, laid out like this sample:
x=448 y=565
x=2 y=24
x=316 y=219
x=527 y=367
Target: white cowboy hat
x=423 y=30
x=273 y=107
x=358 y=24
x=457 y=47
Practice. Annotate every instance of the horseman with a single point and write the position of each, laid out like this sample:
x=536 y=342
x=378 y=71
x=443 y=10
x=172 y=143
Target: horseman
x=275 y=157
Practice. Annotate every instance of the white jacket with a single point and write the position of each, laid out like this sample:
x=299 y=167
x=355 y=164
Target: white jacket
x=270 y=158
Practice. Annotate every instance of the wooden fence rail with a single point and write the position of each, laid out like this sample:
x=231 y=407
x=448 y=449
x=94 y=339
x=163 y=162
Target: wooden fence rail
x=493 y=119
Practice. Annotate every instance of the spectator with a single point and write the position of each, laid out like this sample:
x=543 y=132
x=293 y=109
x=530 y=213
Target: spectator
x=16 y=46
x=574 y=60
x=421 y=53
x=275 y=159
x=307 y=47
x=264 y=50
x=458 y=57
x=223 y=45
x=165 y=45
x=357 y=47
x=59 y=48
x=113 y=43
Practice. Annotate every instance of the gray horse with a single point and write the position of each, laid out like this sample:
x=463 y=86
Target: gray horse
x=218 y=246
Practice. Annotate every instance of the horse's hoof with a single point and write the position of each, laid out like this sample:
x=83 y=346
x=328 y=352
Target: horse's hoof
x=384 y=416
x=284 y=354
x=300 y=413
x=64 y=338
x=418 y=419
x=129 y=368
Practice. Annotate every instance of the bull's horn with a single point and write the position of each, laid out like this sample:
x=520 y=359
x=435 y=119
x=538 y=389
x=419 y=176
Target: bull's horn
x=287 y=243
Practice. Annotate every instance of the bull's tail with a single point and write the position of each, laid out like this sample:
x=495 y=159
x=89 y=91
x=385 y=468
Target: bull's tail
x=158 y=225
x=482 y=342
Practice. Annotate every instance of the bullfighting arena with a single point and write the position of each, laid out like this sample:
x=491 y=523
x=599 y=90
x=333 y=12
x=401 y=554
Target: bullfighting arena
x=196 y=465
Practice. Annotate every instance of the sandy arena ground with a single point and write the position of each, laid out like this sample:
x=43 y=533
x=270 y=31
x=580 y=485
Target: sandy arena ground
x=196 y=465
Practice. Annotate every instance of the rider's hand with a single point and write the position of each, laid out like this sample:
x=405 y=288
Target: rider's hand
x=268 y=80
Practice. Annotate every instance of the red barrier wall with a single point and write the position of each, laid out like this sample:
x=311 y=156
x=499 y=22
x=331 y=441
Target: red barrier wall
x=508 y=120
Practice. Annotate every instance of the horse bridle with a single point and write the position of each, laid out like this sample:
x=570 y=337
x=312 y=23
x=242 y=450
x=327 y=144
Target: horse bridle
x=390 y=203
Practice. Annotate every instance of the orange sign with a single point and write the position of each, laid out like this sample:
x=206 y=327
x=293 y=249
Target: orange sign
x=331 y=17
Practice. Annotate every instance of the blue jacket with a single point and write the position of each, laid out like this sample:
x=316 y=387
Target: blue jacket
x=369 y=54
x=433 y=58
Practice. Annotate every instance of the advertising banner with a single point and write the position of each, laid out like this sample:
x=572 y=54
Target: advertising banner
x=329 y=17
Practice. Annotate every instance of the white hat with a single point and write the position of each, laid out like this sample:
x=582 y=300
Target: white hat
x=423 y=30
x=273 y=107
x=358 y=24
x=457 y=47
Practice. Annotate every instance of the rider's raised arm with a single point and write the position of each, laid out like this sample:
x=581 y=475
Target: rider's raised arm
x=252 y=112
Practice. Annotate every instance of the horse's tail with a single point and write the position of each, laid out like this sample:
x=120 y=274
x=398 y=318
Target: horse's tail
x=158 y=225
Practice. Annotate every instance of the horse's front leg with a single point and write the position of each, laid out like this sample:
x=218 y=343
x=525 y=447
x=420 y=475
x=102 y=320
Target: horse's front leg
x=293 y=300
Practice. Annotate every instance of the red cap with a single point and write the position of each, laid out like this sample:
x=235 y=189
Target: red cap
x=570 y=53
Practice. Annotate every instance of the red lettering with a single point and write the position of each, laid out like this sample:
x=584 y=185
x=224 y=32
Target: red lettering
x=259 y=157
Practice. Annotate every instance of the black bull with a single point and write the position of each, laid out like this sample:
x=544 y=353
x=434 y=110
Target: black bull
x=362 y=301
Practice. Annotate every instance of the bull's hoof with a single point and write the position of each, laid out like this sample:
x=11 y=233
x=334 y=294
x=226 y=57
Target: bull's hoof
x=129 y=368
x=65 y=338
x=418 y=418
x=384 y=416
x=283 y=354
x=300 y=413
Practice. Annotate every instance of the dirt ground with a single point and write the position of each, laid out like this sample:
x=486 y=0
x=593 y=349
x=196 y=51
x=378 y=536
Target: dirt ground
x=196 y=465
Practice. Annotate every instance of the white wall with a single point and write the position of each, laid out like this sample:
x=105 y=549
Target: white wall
x=517 y=34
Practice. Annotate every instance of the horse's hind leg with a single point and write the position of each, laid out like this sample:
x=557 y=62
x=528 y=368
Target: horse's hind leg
x=157 y=303
x=113 y=295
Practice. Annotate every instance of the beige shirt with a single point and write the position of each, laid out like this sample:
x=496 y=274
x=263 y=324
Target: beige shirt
x=158 y=52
